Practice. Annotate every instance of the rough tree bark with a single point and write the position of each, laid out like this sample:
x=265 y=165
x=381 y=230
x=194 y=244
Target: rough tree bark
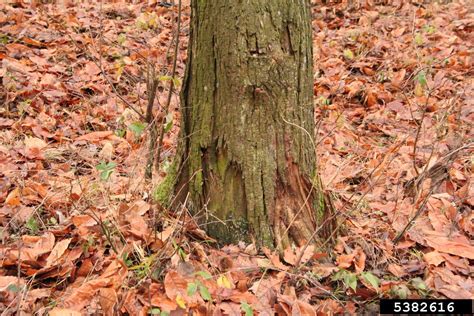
x=246 y=156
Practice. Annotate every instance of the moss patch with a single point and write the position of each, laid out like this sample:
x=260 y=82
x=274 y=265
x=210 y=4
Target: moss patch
x=163 y=192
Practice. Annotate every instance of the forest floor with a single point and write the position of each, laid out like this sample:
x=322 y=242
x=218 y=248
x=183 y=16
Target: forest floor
x=80 y=231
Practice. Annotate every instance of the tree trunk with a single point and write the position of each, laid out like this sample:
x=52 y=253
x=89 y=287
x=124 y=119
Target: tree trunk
x=246 y=155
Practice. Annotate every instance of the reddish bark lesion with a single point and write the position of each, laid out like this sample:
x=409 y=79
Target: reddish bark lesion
x=294 y=218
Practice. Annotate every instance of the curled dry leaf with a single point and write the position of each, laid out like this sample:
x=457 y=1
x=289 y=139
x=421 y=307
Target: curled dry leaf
x=323 y=271
x=274 y=259
x=229 y=308
x=107 y=151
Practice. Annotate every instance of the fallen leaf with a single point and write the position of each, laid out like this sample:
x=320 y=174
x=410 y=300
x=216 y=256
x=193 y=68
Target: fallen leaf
x=398 y=78
x=95 y=136
x=13 y=198
x=396 y=270
x=34 y=143
x=224 y=282
x=107 y=300
x=345 y=261
x=324 y=271
x=444 y=244
x=63 y=312
x=455 y=292
x=7 y=281
x=82 y=296
x=359 y=261
x=107 y=151
x=289 y=256
x=433 y=258
x=301 y=308
x=57 y=252
x=43 y=245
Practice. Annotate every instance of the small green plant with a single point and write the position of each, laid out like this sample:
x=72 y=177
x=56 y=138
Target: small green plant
x=348 y=54
x=421 y=78
x=14 y=288
x=32 y=225
x=144 y=268
x=420 y=285
x=204 y=274
x=168 y=122
x=246 y=308
x=193 y=287
x=419 y=41
x=323 y=101
x=429 y=29
x=23 y=106
x=180 y=251
x=349 y=279
x=147 y=21
x=157 y=311
x=126 y=259
x=137 y=128
x=121 y=38
x=382 y=77
x=176 y=81
x=106 y=169
x=400 y=291
x=90 y=242
x=120 y=132
x=417 y=254
x=372 y=279
x=119 y=66
x=3 y=39
x=52 y=221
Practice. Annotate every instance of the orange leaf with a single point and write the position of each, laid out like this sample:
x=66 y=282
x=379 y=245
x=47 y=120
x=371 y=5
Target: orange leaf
x=289 y=256
x=398 y=78
x=13 y=198
x=308 y=253
x=359 y=261
x=444 y=244
x=107 y=300
x=396 y=270
x=83 y=295
x=345 y=261
x=63 y=312
x=58 y=252
x=95 y=136
x=433 y=258
x=42 y=245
